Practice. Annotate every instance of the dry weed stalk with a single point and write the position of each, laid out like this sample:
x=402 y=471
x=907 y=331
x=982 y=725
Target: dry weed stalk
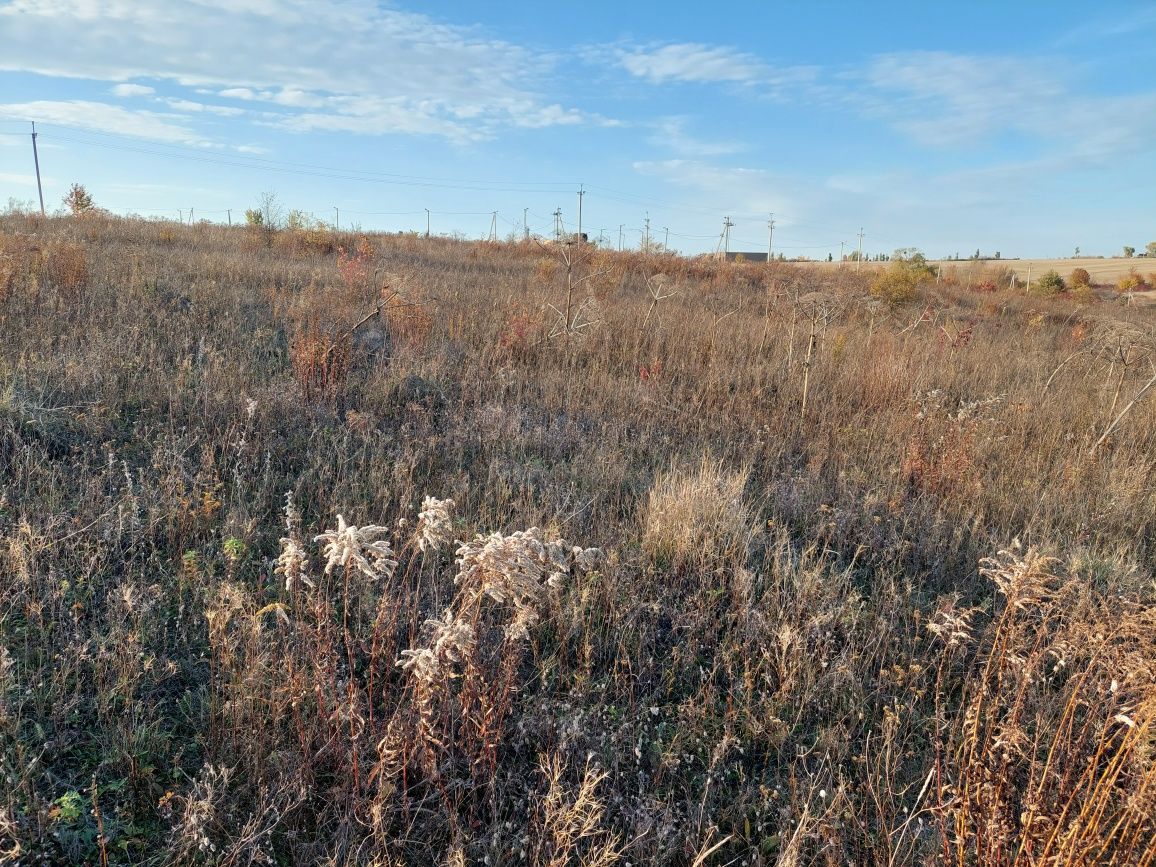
x=568 y=824
x=1053 y=761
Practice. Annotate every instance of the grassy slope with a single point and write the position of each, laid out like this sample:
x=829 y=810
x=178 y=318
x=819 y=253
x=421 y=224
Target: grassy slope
x=749 y=665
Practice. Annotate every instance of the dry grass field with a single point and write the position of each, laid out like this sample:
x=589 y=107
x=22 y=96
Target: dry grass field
x=324 y=549
x=1102 y=271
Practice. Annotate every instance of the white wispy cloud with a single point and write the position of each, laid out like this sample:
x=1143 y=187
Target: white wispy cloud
x=942 y=99
x=188 y=105
x=20 y=180
x=691 y=61
x=133 y=90
x=1119 y=25
x=721 y=189
x=670 y=133
x=354 y=65
x=102 y=116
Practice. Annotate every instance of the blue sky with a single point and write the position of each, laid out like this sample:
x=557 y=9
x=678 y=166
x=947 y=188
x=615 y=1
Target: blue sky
x=1025 y=128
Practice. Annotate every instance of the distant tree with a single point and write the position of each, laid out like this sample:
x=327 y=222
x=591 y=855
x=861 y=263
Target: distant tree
x=975 y=255
x=910 y=255
x=254 y=217
x=1129 y=252
x=1077 y=253
x=78 y=201
x=830 y=257
x=1151 y=248
x=996 y=256
x=272 y=214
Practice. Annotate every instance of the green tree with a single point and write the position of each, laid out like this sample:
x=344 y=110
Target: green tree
x=1151 y=248
x=1129 y=252
x=78 y=201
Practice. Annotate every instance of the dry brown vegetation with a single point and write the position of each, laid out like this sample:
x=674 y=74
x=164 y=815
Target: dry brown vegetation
x=318 y=549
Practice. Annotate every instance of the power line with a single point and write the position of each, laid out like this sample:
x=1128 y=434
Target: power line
x=201 y=154
x=242 y=162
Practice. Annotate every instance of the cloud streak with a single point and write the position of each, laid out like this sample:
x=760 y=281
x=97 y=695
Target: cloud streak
x=321 y=65
x=102 y=116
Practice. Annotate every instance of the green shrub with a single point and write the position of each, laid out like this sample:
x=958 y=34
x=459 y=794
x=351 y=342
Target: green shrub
x=1049 y=283
x=899 y=284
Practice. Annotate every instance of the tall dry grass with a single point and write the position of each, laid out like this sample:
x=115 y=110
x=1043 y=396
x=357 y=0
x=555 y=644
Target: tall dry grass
x=772 y=635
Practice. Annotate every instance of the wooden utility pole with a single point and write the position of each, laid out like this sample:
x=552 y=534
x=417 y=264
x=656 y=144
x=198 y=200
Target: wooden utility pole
x=666 y=239
x=526 y=223
x=859 y=261
x=621 y=226
x=646 y=235
x=494 y=226
x=36 y=159
x=770 y=238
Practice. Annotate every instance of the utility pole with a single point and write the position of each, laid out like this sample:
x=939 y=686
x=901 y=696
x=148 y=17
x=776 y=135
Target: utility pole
x=557 y=224
x=646 y=235
x=337 y=211
x=859 y=261
x=770 y=238
x=727 y=224
x=427 y=222
x=666 y=240
x=181 y=215
x=494 y=226
x=841 y=243
x=526 y=223
x=36 y=159
x=621 y=226
x=190 y=216
x=581 y=193
x=229 y=215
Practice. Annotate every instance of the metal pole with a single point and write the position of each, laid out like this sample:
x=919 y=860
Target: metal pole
x=337 y=211
x=526 y=223
x=427 y=222
x=36 y=159
x=770 y=237
x=581 y=193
